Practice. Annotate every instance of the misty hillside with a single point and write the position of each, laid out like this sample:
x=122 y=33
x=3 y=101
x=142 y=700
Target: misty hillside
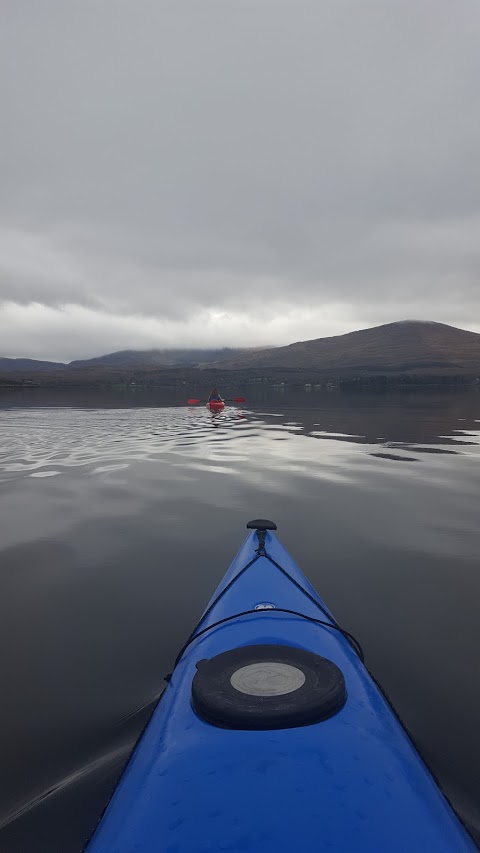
x=127 y=359
x=160 y=358
x=407 y=346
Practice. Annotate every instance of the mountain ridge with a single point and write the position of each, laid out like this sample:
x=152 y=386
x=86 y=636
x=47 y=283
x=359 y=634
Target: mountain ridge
x=128 y=358
x=405 y=346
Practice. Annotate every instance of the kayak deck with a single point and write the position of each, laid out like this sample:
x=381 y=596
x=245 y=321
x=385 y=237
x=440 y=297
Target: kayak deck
x=353 y=782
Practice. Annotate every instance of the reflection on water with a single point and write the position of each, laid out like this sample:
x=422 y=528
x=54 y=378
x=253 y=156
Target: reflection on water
x=119 y=514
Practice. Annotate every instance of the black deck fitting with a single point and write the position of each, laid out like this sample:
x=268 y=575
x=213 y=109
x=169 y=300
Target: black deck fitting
x=261 y=524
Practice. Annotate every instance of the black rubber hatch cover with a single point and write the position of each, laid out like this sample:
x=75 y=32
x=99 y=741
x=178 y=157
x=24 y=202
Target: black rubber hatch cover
x=267 y=687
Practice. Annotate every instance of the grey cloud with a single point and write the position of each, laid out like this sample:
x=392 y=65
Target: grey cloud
x=163 y=158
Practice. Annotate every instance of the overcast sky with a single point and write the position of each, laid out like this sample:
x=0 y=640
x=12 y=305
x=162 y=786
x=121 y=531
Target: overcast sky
x=235 y=172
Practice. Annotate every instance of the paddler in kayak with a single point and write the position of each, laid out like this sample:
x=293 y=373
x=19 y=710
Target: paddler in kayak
x=215 y=396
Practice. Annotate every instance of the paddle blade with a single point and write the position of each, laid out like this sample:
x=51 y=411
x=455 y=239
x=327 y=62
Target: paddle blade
x=239 y=399
x=193 y=402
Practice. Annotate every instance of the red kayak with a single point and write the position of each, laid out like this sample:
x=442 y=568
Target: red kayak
x=215 y=405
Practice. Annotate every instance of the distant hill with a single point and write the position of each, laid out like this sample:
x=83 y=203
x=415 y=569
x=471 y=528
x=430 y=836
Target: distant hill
x=404 y=349
x=28 y=365
x=160 y=358
x=408 y=346
x=127 y=359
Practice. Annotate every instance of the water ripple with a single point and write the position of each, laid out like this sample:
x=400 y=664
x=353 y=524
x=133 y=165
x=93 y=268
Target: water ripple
x=44 y=442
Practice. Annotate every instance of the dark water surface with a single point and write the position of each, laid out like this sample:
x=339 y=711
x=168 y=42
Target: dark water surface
x=119 y=513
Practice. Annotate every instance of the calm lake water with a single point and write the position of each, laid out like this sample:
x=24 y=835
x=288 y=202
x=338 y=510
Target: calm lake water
x=119 y=513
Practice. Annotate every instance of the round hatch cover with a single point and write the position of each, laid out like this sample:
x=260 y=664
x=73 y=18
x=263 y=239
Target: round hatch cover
x=267 y=679
x=267 y=687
